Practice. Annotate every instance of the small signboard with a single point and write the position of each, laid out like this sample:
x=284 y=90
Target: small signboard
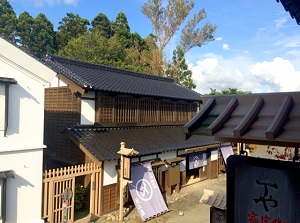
x=67 y=195
x=195 y=160
x=262 y=190
x=226 y=152
x=126 y=168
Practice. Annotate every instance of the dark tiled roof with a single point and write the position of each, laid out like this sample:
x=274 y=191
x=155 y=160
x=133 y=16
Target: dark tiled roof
x=293 y=7
x=267 y=119
x=104 y=143
x=109 y=79
x=7 y=80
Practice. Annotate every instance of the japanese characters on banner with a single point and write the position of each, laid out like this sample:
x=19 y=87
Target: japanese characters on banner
x=262 y=190
x=145 y=191
x=226 y=152
x=195 y=160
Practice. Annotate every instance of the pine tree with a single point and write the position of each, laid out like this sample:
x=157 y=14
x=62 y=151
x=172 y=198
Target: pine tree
x=8 y=20
x=24 y=30
x=102 y=23
x=43 y=36
x=178 y=69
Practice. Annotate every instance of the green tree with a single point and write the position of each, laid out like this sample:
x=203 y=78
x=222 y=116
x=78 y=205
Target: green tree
x=227 y=91
x=102 y=23
x=71 y=26
x=43 y=36
x=152 y=57
x=178 y=69
x=167 y=20
x=95 y=48
x=24 y=29
x=121 y=29
x=8 y=20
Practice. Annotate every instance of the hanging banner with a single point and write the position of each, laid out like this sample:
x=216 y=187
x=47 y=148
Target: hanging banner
x=226 y=152
x=145 y=192
x=195 y=160
x=262 y=190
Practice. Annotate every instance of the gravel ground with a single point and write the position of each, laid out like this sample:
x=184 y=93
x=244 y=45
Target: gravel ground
x=183 y=206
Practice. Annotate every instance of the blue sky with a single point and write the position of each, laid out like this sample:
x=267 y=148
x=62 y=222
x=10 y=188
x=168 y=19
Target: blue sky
x=256 y=47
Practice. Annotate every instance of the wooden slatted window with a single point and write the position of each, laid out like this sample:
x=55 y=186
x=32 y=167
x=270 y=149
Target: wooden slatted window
x=125 y=110
x=194 y=109
x=148 y=111
x=131 y=110
x=105 y=108
x=166 y=111
x=183 y=111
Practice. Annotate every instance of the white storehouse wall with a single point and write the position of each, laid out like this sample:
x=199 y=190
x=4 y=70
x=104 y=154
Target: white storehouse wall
x=21 y=148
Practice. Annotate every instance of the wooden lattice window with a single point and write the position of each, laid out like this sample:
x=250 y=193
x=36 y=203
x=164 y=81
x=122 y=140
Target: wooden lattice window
x=105 y=109
x=183 y=111
x=166 y=111
x=148 y=111
x=194 y=109
x=125 y=110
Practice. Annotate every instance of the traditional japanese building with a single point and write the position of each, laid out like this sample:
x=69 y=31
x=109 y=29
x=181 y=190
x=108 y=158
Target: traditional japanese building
x=90 y=109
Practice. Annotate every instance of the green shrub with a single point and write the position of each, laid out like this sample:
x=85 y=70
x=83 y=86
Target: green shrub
x=79 y=196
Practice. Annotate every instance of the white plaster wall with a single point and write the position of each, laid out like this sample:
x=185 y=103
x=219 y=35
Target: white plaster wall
x=88 y=109
x=57 y=83
x=148 y=157
x=214 y=155
x=21 y=150
x=26 y=111
x=24 y=63
x=110 y=175
x=183 y=164
x=2 y=110
x=24 y=193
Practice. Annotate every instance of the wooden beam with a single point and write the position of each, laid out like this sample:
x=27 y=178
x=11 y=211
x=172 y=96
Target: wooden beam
x=279 y=118
x=223 y=117
x=199 y=117
x=201 y=148
x=74 y=87
x=84 y=149
x=249 y=117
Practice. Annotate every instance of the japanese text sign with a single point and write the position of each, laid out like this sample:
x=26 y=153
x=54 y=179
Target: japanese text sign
x=262 y=190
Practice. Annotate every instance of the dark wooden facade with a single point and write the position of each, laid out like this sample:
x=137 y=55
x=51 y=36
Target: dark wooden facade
x=113 y=111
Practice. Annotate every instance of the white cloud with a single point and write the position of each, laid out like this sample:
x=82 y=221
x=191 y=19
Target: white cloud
x=241 y=73
x=279 y=72
x=225 y=46
x=40 y=3
x=218 y=38
x=294 y=52
x=279 y=23
x=290 y=42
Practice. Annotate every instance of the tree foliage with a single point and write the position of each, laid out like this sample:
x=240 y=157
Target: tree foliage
x=24 y=30
x=8 y=19
x=43 y=36
x=101 y=23
x=71 y=26
x=178 y=69
x=167 y=20
x=227 y=91
x=111 y=42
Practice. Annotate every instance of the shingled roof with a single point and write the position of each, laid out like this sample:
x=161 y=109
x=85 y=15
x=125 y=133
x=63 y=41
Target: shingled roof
x=104 y=143
x=267 y=119
x=114 y=80
x=293 y=7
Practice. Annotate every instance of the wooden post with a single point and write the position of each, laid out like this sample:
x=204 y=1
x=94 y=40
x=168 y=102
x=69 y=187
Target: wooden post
x=121 y=188
x=123 y=152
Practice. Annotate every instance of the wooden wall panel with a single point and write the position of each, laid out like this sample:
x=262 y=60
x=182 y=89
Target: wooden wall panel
x=110 y=198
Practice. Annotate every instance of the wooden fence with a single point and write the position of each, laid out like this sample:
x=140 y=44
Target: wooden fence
x=57 y=180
